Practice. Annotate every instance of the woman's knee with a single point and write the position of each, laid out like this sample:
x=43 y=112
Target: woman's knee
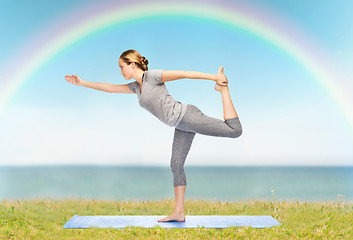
x=176 y=166
x=179 y=177
x=236 y=127
x=236 y=133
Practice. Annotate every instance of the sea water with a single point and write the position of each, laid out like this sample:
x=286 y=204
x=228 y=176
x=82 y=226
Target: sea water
x=155 y=183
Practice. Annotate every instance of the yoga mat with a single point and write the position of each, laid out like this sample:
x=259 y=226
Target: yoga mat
x=148 y=221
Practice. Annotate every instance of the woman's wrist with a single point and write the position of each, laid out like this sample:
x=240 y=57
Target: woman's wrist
x=213 y=77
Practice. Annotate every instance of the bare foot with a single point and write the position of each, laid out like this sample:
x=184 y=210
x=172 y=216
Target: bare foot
x=174 y=217
x=220 y=88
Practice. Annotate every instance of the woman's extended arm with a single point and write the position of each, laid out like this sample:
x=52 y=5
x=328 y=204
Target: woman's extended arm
x=170 y=75
x=105 y=87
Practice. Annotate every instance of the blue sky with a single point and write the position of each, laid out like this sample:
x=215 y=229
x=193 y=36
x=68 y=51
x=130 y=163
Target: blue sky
x=288 y=118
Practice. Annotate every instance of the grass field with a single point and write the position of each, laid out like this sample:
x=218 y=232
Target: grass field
x=44 y=219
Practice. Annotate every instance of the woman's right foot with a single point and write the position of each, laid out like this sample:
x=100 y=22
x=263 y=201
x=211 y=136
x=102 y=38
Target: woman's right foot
x=174 y=217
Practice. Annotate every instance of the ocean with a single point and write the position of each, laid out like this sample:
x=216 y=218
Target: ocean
x=156 y=183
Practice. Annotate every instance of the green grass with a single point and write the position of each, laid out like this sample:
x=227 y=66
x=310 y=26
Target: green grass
x=44 y=219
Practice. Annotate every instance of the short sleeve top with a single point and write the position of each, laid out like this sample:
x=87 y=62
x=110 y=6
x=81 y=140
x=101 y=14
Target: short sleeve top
x=155 y=98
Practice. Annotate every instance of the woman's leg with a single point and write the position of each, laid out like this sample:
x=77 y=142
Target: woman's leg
x=228 y=107
x=181 y=146
x=194 y=121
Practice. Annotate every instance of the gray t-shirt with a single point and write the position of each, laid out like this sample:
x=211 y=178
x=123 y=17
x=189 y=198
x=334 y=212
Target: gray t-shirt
x=155 y=98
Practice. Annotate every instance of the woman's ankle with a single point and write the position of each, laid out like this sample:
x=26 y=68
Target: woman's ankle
x=178 y=211
x=225 y=90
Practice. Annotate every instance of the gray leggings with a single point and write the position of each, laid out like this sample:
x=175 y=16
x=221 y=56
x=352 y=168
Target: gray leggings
x=194 y=121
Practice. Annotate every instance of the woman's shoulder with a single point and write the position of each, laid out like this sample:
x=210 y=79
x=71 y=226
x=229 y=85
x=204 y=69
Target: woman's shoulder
x=154 y=75
x=153 y=71
x=133 y=86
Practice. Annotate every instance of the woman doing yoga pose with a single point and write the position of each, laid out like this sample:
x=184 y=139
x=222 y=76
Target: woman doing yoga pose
x=186 y=118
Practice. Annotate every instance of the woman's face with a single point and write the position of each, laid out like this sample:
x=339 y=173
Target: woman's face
x=126 y=70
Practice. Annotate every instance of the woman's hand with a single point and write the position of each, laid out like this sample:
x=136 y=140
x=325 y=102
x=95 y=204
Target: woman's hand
x=221 y=78
x=74 y=79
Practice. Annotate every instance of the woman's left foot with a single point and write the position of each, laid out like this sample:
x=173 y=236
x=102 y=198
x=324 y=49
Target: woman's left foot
x=174 y=217
x=220 y=88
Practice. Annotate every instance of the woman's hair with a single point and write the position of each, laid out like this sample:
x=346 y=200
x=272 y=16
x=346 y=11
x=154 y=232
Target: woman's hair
x=131 y=55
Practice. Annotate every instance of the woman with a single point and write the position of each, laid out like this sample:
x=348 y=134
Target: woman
x=186 y=118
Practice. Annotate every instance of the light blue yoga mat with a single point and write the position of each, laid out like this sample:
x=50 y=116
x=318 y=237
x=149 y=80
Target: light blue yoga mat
x=148 y=221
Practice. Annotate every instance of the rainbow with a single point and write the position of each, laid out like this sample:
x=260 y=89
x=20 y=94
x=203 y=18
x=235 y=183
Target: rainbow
x=237 y=16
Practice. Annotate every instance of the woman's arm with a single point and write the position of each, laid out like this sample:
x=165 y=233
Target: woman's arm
x=105 y=87
x=108 y=87
x=170 y=75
